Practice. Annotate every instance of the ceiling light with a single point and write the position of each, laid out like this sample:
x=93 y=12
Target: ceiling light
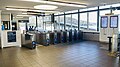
x=19 y=17
x=45 y=7
x=58 y=3
x=28 y=9
x=15 y=9
x=23 y=15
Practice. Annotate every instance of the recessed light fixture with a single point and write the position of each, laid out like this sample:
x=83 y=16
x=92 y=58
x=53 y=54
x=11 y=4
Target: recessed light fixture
x=46 y=7
x=15 y=9
x=19 y=17
x=23 y=15
x=28 y=9
x=58 y=3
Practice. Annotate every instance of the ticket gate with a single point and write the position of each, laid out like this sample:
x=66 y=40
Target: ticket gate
x=80 y=35
x=75 y=35
x=59 y=38
x=64 y=36
x=28 y=41
x=53 y=38
x=43 y=39
x=70 y=35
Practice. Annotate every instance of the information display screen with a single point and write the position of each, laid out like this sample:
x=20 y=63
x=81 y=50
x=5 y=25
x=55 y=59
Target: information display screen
x=104 y=22
x=11 y=36
x=113 y=21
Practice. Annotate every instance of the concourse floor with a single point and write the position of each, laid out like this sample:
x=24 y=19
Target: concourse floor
x=82 y=54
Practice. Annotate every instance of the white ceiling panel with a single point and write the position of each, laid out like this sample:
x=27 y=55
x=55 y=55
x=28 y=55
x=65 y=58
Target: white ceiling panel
x=24 y=4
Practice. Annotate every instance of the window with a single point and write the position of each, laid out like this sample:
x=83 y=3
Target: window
x=93 y=8
x=103 y=12
x=32 y=21
x=75 y=21
x=47 y=18
x=57 y=24
x=93 y=20
x=40 y=22
x=61 y=21
x=83 y=20
x=68 y=21
x=73 y=11
x=22 y=26
x=116 y=5
x=106 y=6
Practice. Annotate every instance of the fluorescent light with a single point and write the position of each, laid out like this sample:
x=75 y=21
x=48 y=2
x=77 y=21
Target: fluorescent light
x=45 y=7
x=23 y=15
x=58 y=3
x=15 y=9
x=27 y=9
x=19 y=17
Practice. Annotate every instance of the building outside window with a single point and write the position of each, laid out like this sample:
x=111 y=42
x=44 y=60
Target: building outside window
x=92 y=20
x=75 y=21
x=61 y=21
x=83 y=20
x=68 y=21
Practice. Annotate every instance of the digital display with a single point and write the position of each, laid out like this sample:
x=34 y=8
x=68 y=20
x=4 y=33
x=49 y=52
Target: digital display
x=11 y=36
x=104 y=22
x=113 y=21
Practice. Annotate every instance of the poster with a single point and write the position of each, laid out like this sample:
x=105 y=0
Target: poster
x=113 y=21
x=104 y=22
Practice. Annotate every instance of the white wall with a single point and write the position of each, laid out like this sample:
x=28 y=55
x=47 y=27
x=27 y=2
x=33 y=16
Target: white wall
x=5 y=17
x=0 y=20
x=107 y=32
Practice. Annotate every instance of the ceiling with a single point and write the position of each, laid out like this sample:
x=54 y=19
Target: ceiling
x=26 y=4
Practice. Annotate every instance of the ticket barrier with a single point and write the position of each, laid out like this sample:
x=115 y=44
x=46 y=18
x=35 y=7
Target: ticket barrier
x=75 y=35
x=80 y=35
x=59 y=38
x=70 y=35
x=53 y=38
x=64 y=36
x=67 y=36
x=28 y=41
x=43 y=39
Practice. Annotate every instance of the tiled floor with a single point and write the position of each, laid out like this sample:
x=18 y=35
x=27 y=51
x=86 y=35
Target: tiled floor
x=83 y=54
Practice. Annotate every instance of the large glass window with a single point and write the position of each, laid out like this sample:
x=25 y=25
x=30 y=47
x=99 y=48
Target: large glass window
x=57 y=24
x=47 y=18
x=103 y=12
x=61 y=21
x=106 y=6
x=75 y=21
x=40 y=23
x=68 y=21
x=83 y=20
x=22 y=26
x=32 y=21
x=93 y=20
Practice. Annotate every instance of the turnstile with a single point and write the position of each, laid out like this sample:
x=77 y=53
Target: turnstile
x=53 y=38
x=28 y=41
x=64 y=36
x=75 y=35
x=42 y=39
x=70 y=35
x=80 y=35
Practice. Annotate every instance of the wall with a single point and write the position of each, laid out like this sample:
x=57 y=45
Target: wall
x=93 y=36
x=5 y=17
x=107 y=32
